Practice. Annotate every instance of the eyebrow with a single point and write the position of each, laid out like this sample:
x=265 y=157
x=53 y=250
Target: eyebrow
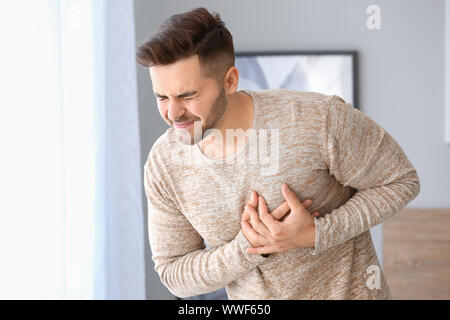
x=183 y=95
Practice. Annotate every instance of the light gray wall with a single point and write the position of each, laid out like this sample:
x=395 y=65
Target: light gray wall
x=400 y=71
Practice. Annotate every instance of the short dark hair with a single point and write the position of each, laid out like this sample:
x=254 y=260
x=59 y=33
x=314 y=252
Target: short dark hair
x=193 y=32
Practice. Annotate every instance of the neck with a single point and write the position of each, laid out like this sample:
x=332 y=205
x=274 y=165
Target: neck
x=238 y=115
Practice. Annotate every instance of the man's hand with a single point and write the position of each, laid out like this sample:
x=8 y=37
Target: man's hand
x=267 y=235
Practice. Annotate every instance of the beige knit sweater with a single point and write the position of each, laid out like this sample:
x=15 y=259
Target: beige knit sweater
x=354 y=171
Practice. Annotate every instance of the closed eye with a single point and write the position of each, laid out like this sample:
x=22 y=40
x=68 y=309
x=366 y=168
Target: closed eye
x=161 y=99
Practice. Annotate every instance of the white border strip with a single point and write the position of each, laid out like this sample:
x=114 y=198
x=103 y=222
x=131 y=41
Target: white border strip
x=447 y=72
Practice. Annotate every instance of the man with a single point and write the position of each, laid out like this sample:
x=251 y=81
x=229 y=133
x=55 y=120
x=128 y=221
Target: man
x=326 y=156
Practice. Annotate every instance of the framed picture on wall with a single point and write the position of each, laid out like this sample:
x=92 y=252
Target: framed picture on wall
x=328 y=72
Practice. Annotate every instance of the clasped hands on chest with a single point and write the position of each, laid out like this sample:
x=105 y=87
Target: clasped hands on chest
x=287 y=227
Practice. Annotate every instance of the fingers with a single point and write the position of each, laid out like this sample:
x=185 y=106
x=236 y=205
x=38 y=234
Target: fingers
x=315 y=214
x=253 y=201
x=251 y=235
x=290 y=197
x=307 y=203
x=267 y=218
x=279 y=212
x=245 y=215
x=256 y=221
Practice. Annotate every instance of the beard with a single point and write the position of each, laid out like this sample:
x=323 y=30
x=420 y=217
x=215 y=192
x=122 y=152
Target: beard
x=215 y=115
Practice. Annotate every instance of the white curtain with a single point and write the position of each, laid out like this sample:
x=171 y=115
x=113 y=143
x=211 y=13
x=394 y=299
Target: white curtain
x=71 y=216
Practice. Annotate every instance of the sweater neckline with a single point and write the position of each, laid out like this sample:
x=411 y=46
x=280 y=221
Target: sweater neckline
x=232 y=156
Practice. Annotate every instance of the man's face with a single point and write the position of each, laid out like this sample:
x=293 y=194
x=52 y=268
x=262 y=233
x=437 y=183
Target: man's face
x=184 y=95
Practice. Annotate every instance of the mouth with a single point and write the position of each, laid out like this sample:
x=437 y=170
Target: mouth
x=183 y=124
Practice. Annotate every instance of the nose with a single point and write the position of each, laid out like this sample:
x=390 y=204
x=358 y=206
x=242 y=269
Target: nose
x=175 y=110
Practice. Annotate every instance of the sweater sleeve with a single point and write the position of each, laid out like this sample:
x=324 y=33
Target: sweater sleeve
x=183 y=264
x=361 y=154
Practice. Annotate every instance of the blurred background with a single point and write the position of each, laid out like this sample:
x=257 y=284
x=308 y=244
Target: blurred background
x=78 y=118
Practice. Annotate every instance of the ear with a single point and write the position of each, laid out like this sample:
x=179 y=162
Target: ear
x=231 y=80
